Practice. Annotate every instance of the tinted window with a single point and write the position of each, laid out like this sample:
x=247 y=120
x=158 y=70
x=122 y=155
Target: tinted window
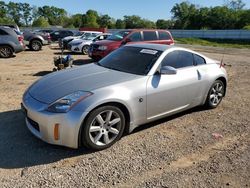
x=199 y=60
x=164 y=35
x=2 y=32
x=135 y=37
x=178 y=59
x=149 y=35
x=118 y=36
x=131 y=60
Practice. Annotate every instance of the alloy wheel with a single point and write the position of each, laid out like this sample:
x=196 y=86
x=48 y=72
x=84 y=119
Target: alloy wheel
x=105 y=128
x=216 y=94
x=5 y=52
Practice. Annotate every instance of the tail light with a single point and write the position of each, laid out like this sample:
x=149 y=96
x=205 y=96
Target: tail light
x=20 y=39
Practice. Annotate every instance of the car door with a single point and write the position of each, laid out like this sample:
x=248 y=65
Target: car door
x=164 y=38
x=167 y=94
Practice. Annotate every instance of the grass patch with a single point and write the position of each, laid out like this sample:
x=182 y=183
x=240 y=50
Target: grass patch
x=215 y=42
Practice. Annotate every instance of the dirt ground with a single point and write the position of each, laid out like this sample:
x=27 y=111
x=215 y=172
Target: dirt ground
x=179 y=151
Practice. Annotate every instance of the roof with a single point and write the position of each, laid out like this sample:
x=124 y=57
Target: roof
x=158 y=47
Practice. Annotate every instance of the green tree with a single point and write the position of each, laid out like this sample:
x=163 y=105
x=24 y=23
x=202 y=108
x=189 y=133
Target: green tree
x=120 y=24
x=26 y=13
x=90 y=19
x=77 y=20
x=164 y=24
x=105 y=21
x=40 y=22
x=182 y=13
x=235 y=4
x=54 y=15
x=14 y=12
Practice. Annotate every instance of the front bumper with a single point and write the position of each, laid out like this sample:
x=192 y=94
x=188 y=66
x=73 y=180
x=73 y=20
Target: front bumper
x=42 y=123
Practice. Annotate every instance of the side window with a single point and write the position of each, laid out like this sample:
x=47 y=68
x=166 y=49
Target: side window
x=164 y=35
x=171 y=59
x=149 y=35
x=185 y=59
x=198 y=60
x=135 y=37
x=178 y=59
x=2 y=32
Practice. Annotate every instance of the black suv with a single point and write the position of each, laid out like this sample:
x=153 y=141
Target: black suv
x=59 y=34
x=11 y=41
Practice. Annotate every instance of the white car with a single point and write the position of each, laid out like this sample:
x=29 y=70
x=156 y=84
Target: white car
x=79 y=35
x=82 y=45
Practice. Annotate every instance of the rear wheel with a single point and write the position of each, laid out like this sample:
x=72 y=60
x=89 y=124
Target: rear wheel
x=35 y=45
x=6 y=51
x=103 y=127
x=85 y=49
x=215 y=94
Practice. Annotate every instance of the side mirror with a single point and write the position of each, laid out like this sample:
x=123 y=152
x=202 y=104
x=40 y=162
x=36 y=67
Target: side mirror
x=168 y=70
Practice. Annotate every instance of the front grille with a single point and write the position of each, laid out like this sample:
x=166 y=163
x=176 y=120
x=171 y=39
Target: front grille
x=94 y=47
x=34 y=124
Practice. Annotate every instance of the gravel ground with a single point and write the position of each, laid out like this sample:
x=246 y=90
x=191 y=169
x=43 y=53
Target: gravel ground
x=178 y=151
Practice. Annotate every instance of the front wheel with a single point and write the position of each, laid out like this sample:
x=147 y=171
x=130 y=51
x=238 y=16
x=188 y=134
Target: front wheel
x=215 y=94
x=103 y=127
x=85 y=49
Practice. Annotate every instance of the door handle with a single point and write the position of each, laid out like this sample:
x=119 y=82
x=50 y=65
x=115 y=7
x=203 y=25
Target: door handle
x=198 y=74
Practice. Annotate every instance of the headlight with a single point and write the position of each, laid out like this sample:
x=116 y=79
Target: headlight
x=64 y=104
x=102 y=48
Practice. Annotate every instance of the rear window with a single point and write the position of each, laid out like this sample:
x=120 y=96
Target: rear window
x=149 y=35
x=198 y=60
x=164 y=35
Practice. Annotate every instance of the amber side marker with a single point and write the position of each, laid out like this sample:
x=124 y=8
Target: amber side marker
x=56 y=131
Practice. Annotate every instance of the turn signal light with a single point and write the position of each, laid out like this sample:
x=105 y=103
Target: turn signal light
x=56 y=131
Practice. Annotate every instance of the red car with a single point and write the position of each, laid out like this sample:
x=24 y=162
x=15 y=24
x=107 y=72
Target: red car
x=102 y=48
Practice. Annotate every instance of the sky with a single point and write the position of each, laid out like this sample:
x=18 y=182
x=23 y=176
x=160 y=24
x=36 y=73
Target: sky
x=152 y=10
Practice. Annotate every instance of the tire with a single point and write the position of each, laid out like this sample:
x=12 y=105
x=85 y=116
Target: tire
x=6 y=51
x=215 y=94
x=85 y=49
x=36 y=45
x=103 y=127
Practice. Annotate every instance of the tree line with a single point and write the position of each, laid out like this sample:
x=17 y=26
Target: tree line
x=185 y=15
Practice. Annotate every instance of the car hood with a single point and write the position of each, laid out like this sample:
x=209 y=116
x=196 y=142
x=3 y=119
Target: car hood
x=70 y=37
x=85 y=78
x=78 y=40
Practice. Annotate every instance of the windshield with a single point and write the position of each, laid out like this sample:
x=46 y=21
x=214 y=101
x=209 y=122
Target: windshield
x=77 y=34
x=132 y=60
x=89 y=36
x=118 y=36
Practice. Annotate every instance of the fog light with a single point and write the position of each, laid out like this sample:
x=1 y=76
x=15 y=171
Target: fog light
x=56 y=131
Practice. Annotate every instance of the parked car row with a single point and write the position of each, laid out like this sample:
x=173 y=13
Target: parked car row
x=12 y=40
x=97 y=45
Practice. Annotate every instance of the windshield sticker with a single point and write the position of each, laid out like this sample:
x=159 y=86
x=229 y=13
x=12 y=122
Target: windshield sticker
x=147 y=51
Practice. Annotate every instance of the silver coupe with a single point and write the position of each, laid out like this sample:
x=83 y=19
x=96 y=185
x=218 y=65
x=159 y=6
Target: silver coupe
x=95 y=104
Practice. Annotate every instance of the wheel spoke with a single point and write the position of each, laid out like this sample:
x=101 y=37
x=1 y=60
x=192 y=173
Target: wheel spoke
x=100 y=119
x=114 y=131
x=95 y=129
x=109 y=114
x=97 y=137
x=220 y=94
x=106 y=138
x=212 y=96
x=220 y=88
x=114 y=121
x=213 y=90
